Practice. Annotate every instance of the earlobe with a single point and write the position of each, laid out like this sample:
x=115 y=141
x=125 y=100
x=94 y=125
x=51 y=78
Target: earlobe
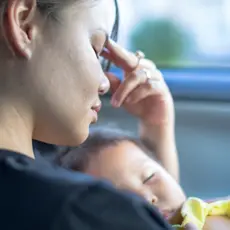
x=19 y=27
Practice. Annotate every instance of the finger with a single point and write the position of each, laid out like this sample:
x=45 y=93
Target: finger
x=128 y=85
x=144 y=63
x=114 y=81
x=155 y=74
x=157 y=80
x=154 y=85
x=158 y=75
x=120 y=57
x=141 y=92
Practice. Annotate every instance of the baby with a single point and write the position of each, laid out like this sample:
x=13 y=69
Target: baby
x=124 y=160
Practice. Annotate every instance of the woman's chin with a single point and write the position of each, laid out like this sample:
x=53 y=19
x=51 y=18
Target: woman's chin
x=75 y=139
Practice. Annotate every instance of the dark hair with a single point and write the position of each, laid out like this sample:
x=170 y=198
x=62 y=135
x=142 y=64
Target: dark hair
x=78 y=158
x=114 y=36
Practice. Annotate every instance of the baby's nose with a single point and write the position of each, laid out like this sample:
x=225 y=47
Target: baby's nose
x=151 y=198
x=154 y=200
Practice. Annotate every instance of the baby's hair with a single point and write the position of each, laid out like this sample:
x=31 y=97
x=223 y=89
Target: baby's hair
x=78 y=158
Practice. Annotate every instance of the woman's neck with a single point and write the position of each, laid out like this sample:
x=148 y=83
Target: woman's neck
x=16 y=127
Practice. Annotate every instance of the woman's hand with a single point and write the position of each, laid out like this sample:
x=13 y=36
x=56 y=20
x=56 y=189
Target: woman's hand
x=144 y=93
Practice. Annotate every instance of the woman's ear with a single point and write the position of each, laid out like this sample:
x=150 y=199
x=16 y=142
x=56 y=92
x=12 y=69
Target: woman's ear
x=19 y=28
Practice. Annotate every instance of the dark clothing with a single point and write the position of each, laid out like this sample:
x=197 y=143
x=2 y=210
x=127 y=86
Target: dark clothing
x=34 y=195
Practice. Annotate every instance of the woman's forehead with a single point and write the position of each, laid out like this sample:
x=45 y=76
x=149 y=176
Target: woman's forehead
x=103 y=15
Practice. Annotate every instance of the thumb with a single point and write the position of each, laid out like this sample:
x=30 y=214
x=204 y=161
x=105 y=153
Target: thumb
x=114 y=81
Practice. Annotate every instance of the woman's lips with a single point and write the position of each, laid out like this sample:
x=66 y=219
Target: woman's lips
x=95 y=110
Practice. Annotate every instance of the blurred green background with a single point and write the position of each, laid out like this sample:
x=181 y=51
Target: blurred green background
x=163 y=41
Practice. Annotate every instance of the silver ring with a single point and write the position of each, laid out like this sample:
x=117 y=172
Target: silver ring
x=140 y=55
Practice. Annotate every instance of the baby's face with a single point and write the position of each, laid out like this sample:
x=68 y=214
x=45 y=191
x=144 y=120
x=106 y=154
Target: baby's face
x=128 y=167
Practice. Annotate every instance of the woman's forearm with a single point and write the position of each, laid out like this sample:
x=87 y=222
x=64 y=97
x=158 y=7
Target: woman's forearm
x=161 y=141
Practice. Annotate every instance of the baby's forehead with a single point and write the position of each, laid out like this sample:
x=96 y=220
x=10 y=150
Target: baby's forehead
x=126 y=154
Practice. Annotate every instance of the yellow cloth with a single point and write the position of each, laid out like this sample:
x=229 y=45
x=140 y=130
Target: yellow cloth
x=195 y=211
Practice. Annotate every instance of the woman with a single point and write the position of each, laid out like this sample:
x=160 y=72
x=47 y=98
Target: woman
x=49 y=85
x=109 y=151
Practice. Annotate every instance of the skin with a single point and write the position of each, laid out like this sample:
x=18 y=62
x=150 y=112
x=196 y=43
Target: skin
x=49 y=70
x=128 y=167
x=216 y=223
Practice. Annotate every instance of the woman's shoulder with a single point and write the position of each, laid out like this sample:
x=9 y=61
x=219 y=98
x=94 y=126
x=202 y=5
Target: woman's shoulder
x=19 y=167
x=35 y=189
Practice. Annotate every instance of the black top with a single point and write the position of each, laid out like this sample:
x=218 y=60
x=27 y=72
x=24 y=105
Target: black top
x=35 y=195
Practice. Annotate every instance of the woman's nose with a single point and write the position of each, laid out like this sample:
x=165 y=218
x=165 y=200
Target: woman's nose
x=104 y=86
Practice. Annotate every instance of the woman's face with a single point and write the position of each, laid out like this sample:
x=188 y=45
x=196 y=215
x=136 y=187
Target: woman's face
x=128 y=167
x=63 y=74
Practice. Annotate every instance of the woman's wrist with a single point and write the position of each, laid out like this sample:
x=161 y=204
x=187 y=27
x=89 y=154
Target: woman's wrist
x=161 y=142
x=158 y=136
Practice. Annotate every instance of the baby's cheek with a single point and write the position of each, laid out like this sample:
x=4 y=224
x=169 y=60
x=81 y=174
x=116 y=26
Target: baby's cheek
x=148 y=195
x=136 y=187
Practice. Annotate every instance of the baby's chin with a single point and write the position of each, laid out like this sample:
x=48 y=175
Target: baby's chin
x=173 y=216
x=167 y=214
x=173 y=212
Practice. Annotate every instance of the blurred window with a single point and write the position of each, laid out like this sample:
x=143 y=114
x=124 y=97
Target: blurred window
x=175 y=33
x=189 y=41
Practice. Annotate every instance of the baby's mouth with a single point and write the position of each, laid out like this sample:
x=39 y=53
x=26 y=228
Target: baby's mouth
x=167 y=214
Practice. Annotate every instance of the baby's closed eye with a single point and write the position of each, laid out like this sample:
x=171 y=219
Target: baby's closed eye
x=149 y=175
